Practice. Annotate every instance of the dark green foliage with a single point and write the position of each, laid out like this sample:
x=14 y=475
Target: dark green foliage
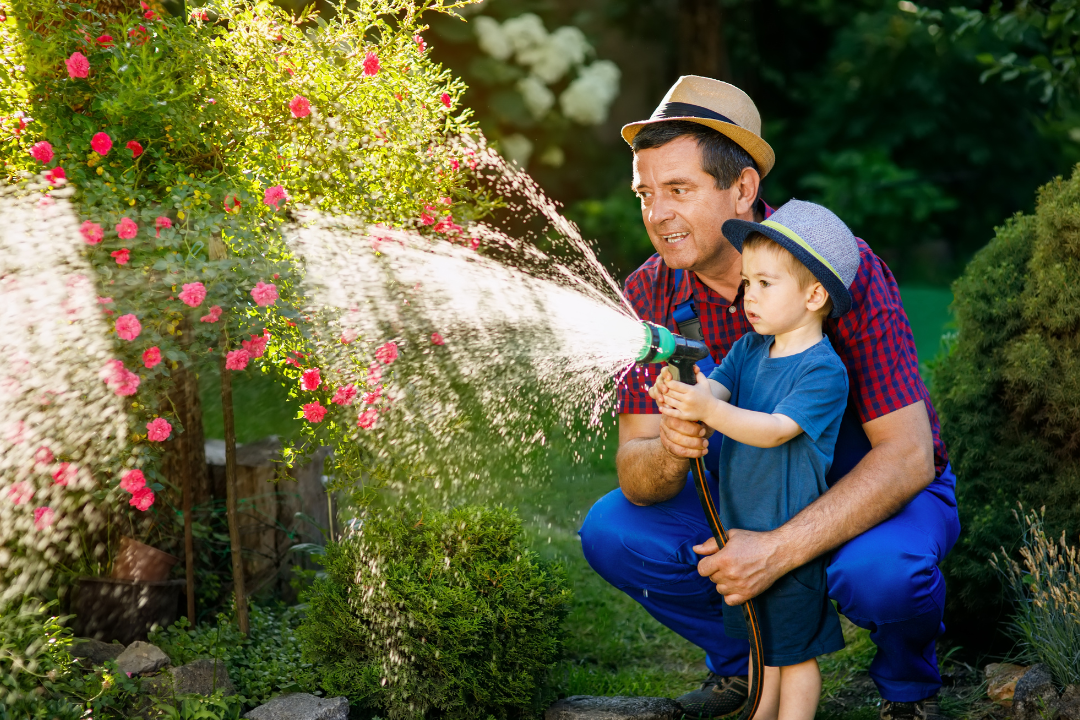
x=1008 y=392
x=265 y=663
x=34 y=662
x=443 y=614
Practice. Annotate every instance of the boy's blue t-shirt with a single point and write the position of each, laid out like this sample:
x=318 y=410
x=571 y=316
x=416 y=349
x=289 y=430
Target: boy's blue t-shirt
x=762 y=488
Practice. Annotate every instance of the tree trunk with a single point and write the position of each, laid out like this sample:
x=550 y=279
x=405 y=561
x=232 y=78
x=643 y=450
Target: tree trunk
x=703 y=50
x=230 y=497
x=184 y=459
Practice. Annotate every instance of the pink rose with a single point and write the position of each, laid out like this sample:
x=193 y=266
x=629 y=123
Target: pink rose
x=92 y=233
x=135 y=148
x=44 y=516
x=237 y=359
x=162 y=223
x=42 y=152
x=192 y=294
x=344 y=395
x=420 y=44
x=275 y=195
x=256 y=346
x=426 y=216
x=142 y=499
x=367 y=419
x=387 y=353
x=348 y=335
x=370 y=398
x=132 y=480
x=65 y=474
x=119 y=379
x=43 y=456
x=446 y=225
x=128 y=327
x=126 y=228
x=20 y=492
x=105 y=41
x=310 y=379
x=77 y=65
x=264 y=293
x=300 y=106
x=374 y=374
x=158 y=430
x=437 y=339
x=371 y=64
x=200 y=15
x=151 y=357
x=445 y=98
x=314 y=412
x=101 y=143
x=56 y=176
x=213 y=315
x=122 y=256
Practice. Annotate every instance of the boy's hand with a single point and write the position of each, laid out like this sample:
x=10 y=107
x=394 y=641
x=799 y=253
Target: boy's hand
x=658 y=392
x=688 y=402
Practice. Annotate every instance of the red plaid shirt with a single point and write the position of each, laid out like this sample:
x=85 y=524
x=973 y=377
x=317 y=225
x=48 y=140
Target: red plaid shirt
x=873 y=339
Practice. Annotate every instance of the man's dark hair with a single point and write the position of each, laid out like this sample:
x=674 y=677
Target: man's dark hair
x=721 y=156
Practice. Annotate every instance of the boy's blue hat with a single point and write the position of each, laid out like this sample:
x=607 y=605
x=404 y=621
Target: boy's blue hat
x=816 y=237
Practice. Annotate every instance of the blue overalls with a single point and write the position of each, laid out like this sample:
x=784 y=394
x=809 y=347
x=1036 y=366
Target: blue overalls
x=886 y=580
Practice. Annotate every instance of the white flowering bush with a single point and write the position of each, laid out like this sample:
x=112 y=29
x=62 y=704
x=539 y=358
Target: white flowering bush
x=545 y=86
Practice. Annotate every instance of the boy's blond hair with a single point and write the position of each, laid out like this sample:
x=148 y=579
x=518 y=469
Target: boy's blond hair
x=802 y=274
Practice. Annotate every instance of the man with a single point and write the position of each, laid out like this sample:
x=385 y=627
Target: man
x=889 y=517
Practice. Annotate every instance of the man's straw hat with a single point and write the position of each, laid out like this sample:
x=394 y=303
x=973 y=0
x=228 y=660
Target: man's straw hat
x=723 y=107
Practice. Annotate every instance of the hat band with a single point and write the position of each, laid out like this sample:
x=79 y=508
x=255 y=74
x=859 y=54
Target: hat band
x=681 y=109
x=791 y=234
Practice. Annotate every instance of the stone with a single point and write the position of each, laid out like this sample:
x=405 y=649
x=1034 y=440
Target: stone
x=593 y=707
x=1001 y=681
x=1035 y=696
x=141 y=658
x=91 y=652
x=199 y=677
x=1069 y=703
x=301 y=706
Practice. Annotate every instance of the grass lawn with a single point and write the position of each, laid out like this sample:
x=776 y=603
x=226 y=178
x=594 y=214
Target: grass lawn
x=613 y=647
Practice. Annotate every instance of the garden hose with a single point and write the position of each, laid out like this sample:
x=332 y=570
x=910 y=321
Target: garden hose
x=681 y=353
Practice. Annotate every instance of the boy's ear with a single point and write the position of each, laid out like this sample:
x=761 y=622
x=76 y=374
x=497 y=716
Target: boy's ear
x=817 y=297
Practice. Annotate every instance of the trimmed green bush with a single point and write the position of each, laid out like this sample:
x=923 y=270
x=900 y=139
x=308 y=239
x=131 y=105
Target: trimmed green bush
x=1008 y=391
x=443 y=613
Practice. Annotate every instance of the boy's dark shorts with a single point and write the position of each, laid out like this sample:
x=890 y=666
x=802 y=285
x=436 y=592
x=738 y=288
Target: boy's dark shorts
x=798 y=621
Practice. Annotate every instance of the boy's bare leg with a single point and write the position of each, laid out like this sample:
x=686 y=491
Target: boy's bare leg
x=770 y=693
x=800 y=690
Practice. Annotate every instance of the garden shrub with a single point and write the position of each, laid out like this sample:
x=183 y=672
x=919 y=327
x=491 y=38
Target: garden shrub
x=442 y=613
x=1008 y=391
x=1046 y=590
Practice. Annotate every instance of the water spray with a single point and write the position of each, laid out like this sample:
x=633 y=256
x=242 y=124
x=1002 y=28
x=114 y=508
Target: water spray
x=681 y=353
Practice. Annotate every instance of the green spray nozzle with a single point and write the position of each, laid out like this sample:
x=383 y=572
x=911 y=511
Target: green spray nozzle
x=680 y=352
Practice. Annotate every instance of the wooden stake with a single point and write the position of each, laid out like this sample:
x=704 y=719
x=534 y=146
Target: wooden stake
x=230 y=497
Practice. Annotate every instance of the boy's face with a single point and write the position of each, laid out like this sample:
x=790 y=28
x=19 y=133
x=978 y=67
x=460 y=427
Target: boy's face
x=773 y=300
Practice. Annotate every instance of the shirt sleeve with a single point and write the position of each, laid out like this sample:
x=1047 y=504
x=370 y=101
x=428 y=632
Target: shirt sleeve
x=876 y=344
x=727 y=372
x=818 y=398
x=632 y=395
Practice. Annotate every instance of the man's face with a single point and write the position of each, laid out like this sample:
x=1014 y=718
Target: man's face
x=681 y=206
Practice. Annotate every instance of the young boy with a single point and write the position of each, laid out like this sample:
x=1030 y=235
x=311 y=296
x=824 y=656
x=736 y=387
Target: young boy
x=778 y=398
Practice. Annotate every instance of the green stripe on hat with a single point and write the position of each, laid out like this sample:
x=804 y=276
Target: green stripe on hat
x=794 y=236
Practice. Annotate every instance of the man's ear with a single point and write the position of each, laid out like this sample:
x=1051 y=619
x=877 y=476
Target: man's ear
x=747 y=191
x=817 y=297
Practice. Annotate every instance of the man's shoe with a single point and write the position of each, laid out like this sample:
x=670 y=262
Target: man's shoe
x=921 y=710
x=718 y=696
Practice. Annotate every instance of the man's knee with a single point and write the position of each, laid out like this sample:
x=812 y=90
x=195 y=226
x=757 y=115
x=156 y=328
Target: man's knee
x=602 y=536
x=872 y=583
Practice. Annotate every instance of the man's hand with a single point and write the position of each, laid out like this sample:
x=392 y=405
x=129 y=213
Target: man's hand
x=747 y=566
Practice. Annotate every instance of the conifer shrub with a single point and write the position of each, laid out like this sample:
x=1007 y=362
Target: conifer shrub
x=436 y=614
x=1008 y=391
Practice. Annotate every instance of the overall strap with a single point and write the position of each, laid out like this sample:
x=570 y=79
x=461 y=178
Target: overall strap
x=685 y=314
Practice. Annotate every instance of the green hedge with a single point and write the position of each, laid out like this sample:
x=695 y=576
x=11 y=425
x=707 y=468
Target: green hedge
x=1008 y=392
x=442 y=613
